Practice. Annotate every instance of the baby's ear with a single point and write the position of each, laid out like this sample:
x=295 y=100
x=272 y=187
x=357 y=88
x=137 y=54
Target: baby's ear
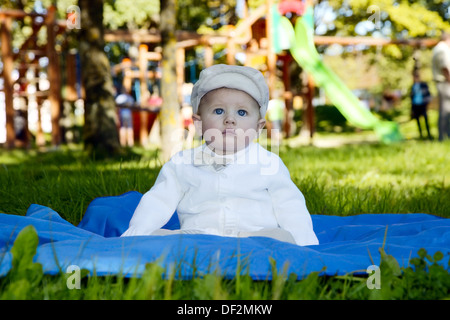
x=196 y=117
x=261 y=124
x=197 y=124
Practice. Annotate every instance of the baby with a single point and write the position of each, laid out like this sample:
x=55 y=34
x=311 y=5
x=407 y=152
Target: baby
x=230 y=185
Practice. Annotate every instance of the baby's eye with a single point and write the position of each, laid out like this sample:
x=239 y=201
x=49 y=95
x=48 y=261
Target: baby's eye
x=242 y=113
x=218 y=111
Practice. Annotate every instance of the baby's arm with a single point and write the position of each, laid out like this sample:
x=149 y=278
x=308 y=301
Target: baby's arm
x=157 y=205
x=290 y=207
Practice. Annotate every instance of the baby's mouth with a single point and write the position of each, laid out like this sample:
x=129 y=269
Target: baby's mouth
x=229 y=132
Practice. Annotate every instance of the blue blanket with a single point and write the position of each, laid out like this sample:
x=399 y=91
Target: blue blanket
x=347 y=244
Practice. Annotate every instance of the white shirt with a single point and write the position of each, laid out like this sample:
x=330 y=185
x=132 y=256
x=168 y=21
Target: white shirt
x=252 y=192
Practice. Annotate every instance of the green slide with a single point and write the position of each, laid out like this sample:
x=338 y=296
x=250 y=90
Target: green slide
x=301 y=43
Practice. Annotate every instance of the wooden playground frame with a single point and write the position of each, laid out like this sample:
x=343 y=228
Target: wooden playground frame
x=9 y=58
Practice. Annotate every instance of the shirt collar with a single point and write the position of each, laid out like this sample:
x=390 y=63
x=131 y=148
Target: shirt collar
x=204 y=156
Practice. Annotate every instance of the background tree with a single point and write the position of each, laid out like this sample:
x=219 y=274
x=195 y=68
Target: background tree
x=100 y=131
x=171 y=131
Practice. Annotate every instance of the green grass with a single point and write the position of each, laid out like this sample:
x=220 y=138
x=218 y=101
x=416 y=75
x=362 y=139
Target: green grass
x=407 y=177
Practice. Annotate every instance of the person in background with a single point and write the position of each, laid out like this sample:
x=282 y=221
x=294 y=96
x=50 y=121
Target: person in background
x=420 y=98
x=125 y=101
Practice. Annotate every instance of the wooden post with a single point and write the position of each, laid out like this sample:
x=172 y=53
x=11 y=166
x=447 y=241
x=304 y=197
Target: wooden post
x=310 y=108
x=40 y=138
x=143 y=133
x=71 y=94
x=127 y=78
x=23 y=140
x=209 y=56
x=53 y=77
x=288 y=117
x=7 y=56
x=231 y=51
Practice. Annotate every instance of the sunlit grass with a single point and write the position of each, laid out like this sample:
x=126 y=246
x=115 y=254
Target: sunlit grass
x=406 y=177
x=411 y=176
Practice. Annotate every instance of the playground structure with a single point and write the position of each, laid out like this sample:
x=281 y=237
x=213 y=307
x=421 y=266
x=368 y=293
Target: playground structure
x=27 y=58
x=303 y=49
x=257 y=35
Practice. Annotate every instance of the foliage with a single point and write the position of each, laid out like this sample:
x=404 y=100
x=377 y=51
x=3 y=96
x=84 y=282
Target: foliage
x=391 y=19
x=117 y=14
x=130 y=14
x=396 y=19
x=191 y=14
x=328 y=119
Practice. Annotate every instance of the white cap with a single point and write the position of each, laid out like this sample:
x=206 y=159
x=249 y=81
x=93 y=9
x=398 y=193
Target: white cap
x=246 y=79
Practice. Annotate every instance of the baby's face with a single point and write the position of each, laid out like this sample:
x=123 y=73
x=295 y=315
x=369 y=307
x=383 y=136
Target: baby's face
x=229 y=120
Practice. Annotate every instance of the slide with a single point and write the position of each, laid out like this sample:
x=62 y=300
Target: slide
x=301 y=45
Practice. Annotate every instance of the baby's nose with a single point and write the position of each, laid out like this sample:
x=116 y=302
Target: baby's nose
x=229 y=119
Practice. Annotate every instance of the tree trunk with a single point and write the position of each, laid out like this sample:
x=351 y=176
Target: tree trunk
x=171 y=130
x=100 y=132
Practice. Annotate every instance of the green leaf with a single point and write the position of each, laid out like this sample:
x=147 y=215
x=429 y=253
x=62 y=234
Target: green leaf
x=23 y=251
x=422 y=253
x=17 y=290
x=438 y=256
x=24 y=247
x=390 y=262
